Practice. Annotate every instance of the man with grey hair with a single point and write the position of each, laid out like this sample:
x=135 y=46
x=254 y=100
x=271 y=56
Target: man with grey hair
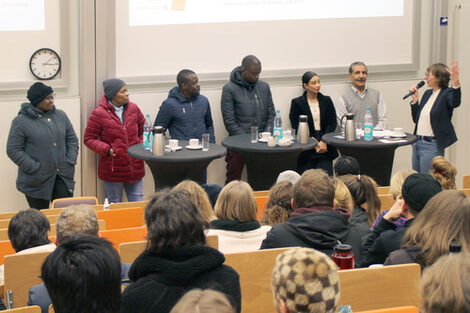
x=358 y=97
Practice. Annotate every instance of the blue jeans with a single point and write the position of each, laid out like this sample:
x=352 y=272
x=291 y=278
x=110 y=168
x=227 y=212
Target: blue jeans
x=114 y=191
x=423 y=152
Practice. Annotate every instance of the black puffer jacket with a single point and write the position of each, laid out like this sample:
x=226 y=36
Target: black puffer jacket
x=404 y=256
x=246 y=104
x=159 y=280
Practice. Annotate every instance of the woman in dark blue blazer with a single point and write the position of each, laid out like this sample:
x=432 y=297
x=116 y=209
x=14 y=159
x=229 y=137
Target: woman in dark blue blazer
x=321 y=120
x=432 y=116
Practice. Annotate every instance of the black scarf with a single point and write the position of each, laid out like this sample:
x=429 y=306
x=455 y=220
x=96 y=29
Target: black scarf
x=235 y=225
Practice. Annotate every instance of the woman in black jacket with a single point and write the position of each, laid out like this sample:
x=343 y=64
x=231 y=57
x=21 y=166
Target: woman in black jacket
x=176 y=259
x=321 y=120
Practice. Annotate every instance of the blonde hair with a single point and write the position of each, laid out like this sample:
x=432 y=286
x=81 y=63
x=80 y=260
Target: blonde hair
x=444 y=172
x=343 y=198
x=445 y=286
x=203 y=301
x=236 y=202
x=76 y=219
x=279 y=205
x=199 y=197
x=397 y=182
x=445 y=218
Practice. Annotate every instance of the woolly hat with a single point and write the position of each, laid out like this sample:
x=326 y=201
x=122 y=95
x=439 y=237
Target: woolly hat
x=38 y=92
x=112 y=86
x=347 y=165
x=418 y=188
x=306 y=280
x=288 y=175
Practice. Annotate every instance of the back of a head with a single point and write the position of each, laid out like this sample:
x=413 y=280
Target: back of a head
x=417 y=189
x=28 y=229
x=444 y=172
x=289 y=175
x=199 y=197
x=77 y=219
x=397 y=180
x=314 y=188
x=83 y=275
x=279 y=204
x=346 y=165
x=236 y=202
x=203 y=301
x=445 y=287
x=306 y=281
x=173 y=221
x=343 y=198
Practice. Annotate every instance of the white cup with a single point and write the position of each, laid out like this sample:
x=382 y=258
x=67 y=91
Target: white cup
x=287 y=134
x=264 y=135
x=398 y=131
x=194 y=142
x=271 y=141
x=173 y=143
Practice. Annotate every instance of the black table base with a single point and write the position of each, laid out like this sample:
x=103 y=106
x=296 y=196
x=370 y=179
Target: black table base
x=171 y=174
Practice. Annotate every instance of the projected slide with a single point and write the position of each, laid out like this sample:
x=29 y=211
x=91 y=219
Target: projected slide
x=20 y=15
x=165 y=12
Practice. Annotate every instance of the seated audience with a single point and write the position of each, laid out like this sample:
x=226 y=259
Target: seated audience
x=28 y=233
x=305 y=281
x=444 y=219
x=176 y=258
x=444 y=286
x=236 y=224
x=289 y=175
x=203 y=301
x=366 y=202
x=83 y=275
x=72 y=220
x=345 y=165
x=385 y=238
x=279 y=206
x=395 y=190
x=212 y=191
x=315 y=222
x=199 y=198
x=444 y=172
x=343 y=198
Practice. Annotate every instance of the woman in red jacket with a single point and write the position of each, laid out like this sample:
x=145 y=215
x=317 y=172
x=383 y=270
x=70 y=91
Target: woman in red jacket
x=114 y=126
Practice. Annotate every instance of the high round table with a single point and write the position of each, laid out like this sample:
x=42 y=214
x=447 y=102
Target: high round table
x=375 y=157
x=173 y=167
x=263 y=163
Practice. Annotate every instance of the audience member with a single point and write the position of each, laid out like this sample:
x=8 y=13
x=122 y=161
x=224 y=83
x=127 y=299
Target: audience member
x=385 y=238
x=176 y=258
x=203 y=301
x=444 y=172
x=199 y=198
x=236 y=224
x=343 y=198
x=279 y=205
x=444 y=219
x=305 y=281
x=315 y=222
x=345 y=165
x=289 y=175
x=28 y=233
x=213 y=191
x=83 y=275
x=444 y=286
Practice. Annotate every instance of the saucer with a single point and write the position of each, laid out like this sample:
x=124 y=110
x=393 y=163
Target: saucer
x=194 y=147
x=263 y=140
x=173 y=148
x=397 y=135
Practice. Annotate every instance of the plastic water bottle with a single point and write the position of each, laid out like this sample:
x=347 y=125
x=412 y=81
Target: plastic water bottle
x=106 y=204
x=148 y=134
x=277 y=129
x=368 y=126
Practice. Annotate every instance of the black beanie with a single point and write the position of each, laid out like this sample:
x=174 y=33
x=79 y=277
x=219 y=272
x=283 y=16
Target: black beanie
x=38 y=92
x=112 y=86
x=418 y=188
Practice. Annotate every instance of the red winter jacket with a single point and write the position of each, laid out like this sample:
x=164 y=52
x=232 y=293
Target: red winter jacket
x=104 y=130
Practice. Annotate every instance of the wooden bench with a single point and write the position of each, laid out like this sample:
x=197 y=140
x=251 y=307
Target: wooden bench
x=401 y=309
x=383 y=190
x=386 y=201
x=26 y=309
x=118 y=236
x=65 y=202
x=466 y=181
x=122 y=218
x=261 y=203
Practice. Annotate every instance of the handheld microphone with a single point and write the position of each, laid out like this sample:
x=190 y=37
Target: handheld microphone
x=419 y=85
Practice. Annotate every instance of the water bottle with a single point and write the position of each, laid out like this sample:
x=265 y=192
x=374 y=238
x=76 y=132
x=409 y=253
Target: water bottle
x=455 y=247
x=368 y=126
x=106 y=204
x=277 y=129
x=148 y=134
x=343 y=256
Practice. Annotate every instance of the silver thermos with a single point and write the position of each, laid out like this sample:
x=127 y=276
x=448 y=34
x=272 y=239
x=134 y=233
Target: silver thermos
x=303 y=131
x=349 y=128
x=158 y=141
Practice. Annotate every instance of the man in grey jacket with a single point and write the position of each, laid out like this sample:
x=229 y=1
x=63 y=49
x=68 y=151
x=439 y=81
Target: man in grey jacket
x=246 y=101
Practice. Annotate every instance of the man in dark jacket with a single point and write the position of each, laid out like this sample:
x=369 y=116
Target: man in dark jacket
x=384 y=239
x=246 y=101
x=315 y=222
x=186 y=113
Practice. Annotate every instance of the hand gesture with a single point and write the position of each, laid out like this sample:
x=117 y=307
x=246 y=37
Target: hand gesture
x=321 y=147
x=415 y=95
x=395 y=211
x=454 y=73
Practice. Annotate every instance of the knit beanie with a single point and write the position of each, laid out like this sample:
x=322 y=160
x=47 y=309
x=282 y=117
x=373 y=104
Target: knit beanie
x=38 y=92
x=112 y=86
x=418 y=188
x=306 y=280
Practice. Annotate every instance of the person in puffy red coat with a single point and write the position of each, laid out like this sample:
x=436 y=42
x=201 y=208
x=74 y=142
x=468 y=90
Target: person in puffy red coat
x=114 y=126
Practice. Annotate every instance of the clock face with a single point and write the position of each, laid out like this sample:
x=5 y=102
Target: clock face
x=45 y=64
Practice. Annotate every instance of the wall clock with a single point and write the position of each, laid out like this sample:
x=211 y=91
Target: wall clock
x=45 y=64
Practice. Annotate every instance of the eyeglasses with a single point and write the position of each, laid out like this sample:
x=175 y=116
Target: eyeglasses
x=50 y=97
x=427 y=74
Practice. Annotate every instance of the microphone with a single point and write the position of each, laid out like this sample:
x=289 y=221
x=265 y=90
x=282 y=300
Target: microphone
x=419 y=85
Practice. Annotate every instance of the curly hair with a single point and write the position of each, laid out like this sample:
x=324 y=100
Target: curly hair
x=279 y=205
x=444 y=172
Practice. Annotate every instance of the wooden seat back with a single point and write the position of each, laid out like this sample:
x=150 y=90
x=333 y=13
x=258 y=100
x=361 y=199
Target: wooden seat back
x=401 y=309
x=261 y=203
x=118 y=236
x=7 y=215
x=380 y=287
x=125 y=205
x=466 y=191
x=26 y=309
x=65 y=202
x=21 y=273
x=5 y=249
x=383 y=190
x=466 y=181
x=122 y=218
x=386 y=201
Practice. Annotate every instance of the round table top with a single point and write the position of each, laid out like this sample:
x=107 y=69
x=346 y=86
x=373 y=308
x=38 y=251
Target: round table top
x=337 y=140
x=243 y=143
x=184 y=155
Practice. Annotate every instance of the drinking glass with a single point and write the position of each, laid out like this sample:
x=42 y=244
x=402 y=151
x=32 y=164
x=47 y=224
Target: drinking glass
x=254 y=134
x=358 y=126
x=205 y=142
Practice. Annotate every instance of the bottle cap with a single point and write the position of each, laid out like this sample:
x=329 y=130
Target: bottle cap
x=158 y=129
x=343 y=248
x=455 y=247
x=303 y=118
